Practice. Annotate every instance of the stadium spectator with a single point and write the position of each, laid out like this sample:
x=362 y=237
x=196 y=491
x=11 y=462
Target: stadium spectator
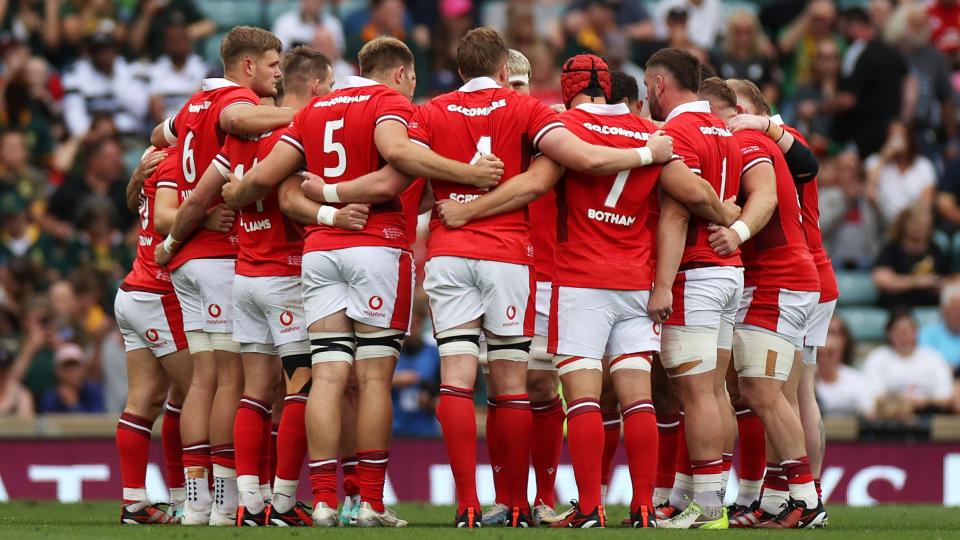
x=15 y=400
x=804 y=110
x=704 y=18
x=630 y=15
x=103 y=83
x=677 y=36
x=390 y=18
x=17 y=174
x=943 y=334
x=910 y=269
x=175 y=76
x=870 y=93
x=906 y=376
x=597 y=31
x=299 y=26
x=324 y=42
x=850 y=225
x=153 y=16
x=842 y=390
x=746 y=53
x=86 y=17
x=416 y=380
x=947 y=201
x=31 y=103
x=898 y=176
x=73 y=391
x=21 y=237
x=456 y=20
x=945 y=24
x=930 y=103
x=800 y=41
x=38 y=24
x=101 y=175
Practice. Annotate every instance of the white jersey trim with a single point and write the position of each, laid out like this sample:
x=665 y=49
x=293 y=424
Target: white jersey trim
x=692 y=106
x=215 y=83
x=604 y=109
x=755 y=162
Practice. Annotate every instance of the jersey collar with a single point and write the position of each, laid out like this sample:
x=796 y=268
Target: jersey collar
x=217 y=83
x=692 y=106
x=777 y=119
x=604 y=109
x=479 y=83
x=353 y=81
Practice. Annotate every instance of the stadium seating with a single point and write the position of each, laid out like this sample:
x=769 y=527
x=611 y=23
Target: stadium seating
x=865 y=323
x=230 y=13
x=856 y=289
x=211 y=49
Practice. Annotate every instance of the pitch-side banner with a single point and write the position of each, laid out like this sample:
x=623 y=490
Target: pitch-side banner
x=855 y=473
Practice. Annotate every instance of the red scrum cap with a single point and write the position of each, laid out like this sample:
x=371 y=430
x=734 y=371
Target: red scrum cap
x=582 y=72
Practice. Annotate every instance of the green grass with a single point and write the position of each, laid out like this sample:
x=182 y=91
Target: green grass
x=48 y=520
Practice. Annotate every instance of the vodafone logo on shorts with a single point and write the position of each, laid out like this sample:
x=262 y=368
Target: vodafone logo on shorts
x=214 y=311
x=375 y=303
x=152 y=335
x=656 y=329
x=286 y=318
x=511 y=312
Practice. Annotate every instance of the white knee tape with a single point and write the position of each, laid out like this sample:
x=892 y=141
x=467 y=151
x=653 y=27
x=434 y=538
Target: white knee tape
x=291 y=349
x=540 y=359
x=515 y=349
x=566 y=364
x=332 y=347
x=725 y=335
x=809 y=355
x=379 y=344
x=224 y=342
x=198 y=341
x=641 y=361
x=688 y=350
x=459 y=341
x=258 y=348
x=762 y=354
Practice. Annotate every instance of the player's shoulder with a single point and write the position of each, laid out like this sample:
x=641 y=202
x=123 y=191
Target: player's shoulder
x=753 y=140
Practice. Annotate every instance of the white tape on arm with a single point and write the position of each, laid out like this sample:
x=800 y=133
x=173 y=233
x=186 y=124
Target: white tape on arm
x=742 y=230
x=325 y=215
x=330 y=193
x=646 y=156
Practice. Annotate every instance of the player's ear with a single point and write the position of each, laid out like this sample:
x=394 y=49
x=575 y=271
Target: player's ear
x=398 y=74
x=739 y=109
x=248 y=65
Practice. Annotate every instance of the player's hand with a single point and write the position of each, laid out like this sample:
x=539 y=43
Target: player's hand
x=162 y=256
x=147 y=165
x=661 y=146
x=453 y=214
x=352 y=217
x=486 y=172
x=220 y=219
x=741 y=122
x=731 y=211
x=229 y=191
x=724 y=241
x=312 y=187
x=660 y=305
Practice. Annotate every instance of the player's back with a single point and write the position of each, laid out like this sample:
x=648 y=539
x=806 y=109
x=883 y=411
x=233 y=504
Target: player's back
x=603 y=236
x=336 y=134
x=478 y=119
x=777 y=255
x=704 y=143
x=146 y=274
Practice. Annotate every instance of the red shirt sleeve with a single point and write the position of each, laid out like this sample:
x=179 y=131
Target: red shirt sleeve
x=238 y=96
x=395 y=107
x=418 y=128
x=754 y=150
x=293 y=135
x=166 y=172
x=540 y=119
x=684 y=150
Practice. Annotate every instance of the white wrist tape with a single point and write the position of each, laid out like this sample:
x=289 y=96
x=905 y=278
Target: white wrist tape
x=646 y=156
x=742 y=230
x=325 y=215
x=330 y=193
x=168 y=243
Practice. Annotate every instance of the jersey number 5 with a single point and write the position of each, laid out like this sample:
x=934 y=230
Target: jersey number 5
x=332 y=147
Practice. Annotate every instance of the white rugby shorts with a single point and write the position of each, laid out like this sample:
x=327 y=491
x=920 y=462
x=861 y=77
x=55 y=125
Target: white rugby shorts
x=268 y=310
x=205 y=290
x=149 y=320
x=710 y=297
x=373 y=283
x=781 y=311
x=540 y=359
x=461 y=290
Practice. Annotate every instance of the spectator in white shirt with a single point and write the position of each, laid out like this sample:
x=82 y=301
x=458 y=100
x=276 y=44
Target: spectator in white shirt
x=842 y=390
x=898 y=176
x=103 y=84
x=175 y=76
x=299 y=26
x=901 y=370
x=704 y=20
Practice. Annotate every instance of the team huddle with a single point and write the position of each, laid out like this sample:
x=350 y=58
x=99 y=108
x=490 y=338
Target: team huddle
x=668 y=271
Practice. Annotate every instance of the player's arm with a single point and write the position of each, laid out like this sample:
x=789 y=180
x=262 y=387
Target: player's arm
x=395 y=146
x=570 y=151
x=298 y=207
x=282 y=161
x=688 y=189
x=803 y=165
x=427 y=199
x=246 y=119
x=165 y=209
x=164 y=134
x=671 y=232
x=522 y=189
x=144 y=169
x=376 y=187
x=759 y=185
x=193 y=210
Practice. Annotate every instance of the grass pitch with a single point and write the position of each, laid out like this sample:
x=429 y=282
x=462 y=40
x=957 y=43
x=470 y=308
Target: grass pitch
x=50 y=520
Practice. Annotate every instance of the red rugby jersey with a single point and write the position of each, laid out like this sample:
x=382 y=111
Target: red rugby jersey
x=335 y=135
x=482 y=118
x=199 y=139
x=705 y=145
x=146 y=274
x=603 y=233
x=777 y=255
x=810 y=213
x=271 y=244
x=543 y=234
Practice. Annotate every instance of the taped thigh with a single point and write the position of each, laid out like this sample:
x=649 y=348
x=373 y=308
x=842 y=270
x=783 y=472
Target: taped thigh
x=762 y=354
x=198 y=341
x=459 y=341
x=296 y=356
x=688 y=350
x=641 y=360
x=379 y=344
x=224 y=342
x=567 y=364
x=258 y=348
x=332 y=347
x=540 y=359
x=514 y=348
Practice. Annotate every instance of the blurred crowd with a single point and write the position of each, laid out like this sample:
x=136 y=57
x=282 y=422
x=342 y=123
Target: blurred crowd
x=872 y=84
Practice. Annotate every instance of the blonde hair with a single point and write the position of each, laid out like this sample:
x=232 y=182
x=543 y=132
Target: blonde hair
x=749 y=91
x=518 y=64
